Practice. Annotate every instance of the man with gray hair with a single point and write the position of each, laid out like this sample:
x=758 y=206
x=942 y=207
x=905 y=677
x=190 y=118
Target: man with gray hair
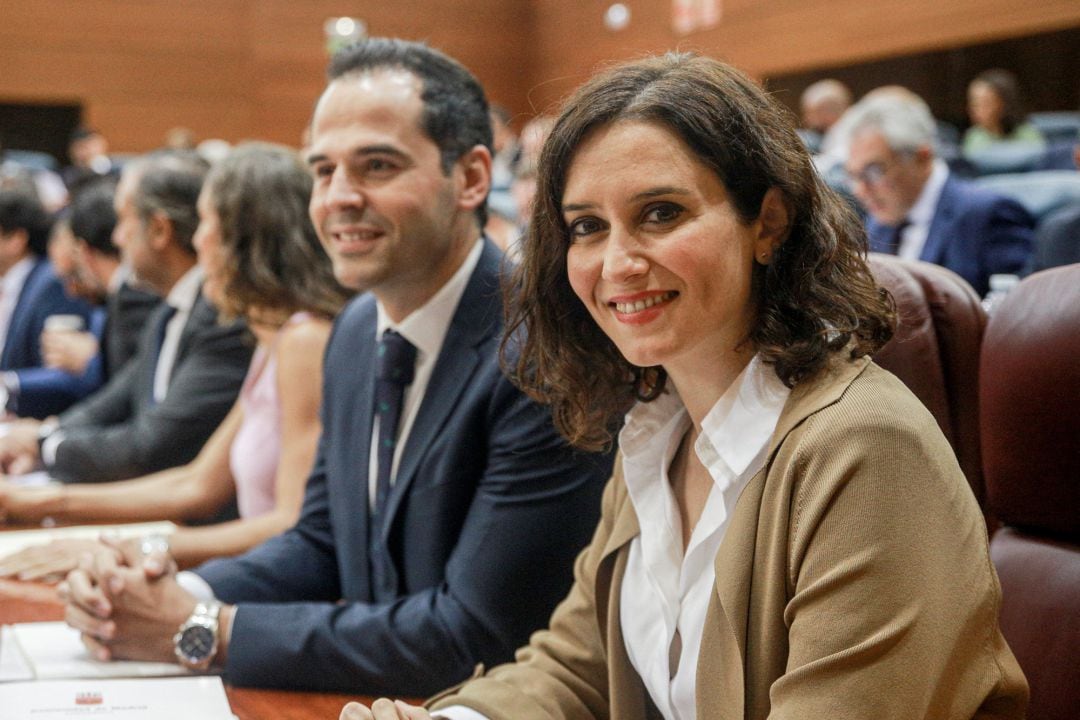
x=823 y=103
x=160 y=409
x=916 y=209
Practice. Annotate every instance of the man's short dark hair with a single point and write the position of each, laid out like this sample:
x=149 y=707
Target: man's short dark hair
x=169 y=183
x=455 y=114
x=93 y=218
x=21 y=210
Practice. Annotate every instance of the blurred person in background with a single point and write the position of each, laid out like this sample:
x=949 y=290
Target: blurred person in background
x=263 y=261
x=30 y=292
x=997 y=113
x=99 y=276
x=88 y=151
x=160 y=409
x=916 y=208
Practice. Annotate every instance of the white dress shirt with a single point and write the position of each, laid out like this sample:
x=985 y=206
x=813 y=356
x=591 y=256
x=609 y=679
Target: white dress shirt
x=665 y=590
x=426 y=329
x=921 y=214
x=183 y=295
x=11 y=286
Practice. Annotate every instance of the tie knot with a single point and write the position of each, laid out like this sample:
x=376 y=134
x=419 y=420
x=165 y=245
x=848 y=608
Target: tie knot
x=396 y=359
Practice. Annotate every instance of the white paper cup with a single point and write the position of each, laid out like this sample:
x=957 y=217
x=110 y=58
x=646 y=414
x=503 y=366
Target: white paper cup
x=64 y=323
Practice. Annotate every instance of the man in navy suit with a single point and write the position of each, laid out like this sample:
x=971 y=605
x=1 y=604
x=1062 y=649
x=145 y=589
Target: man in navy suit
x=916 y=209
x=401 y=588
x=30 y=292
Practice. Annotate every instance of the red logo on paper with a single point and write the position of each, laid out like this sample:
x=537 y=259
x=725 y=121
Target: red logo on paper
x=88 y=698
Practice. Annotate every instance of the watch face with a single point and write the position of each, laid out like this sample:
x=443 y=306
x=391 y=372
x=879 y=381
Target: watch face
x=196 y=643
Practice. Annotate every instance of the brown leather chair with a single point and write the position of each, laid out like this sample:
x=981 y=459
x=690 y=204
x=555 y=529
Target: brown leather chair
x=935 y=350
x=1030 y=425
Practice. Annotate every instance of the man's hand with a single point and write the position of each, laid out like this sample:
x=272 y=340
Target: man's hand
x=67 y=350
x=19 y=446
x=384 y=709
x=127 y=606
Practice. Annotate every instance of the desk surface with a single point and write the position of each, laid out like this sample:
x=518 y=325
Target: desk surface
x=31 y=602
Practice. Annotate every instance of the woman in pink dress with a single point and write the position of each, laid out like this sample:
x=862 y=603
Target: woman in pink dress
x=262 y=260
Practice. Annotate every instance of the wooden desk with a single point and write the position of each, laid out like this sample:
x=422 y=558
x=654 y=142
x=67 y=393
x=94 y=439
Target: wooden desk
x=32 y=602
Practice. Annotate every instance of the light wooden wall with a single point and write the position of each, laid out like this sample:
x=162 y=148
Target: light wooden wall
x=774 y=37
x=252 y=68
x=230 y=69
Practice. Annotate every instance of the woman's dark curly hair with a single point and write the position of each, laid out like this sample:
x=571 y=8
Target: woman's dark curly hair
x=815 y=298
x=274 y=261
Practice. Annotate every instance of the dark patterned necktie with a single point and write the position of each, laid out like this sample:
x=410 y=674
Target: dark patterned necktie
x=394 y=369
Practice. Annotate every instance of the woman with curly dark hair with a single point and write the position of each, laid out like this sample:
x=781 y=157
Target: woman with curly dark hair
x=787 y=534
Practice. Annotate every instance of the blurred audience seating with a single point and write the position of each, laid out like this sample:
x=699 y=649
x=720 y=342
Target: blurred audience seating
x=935 y=350
x=1030 y=427
x=1041 y=193
x=1057 y=126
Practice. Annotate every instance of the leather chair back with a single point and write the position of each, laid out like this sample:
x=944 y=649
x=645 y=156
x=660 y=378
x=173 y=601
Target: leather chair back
x=1030 y=426
x=935 y=350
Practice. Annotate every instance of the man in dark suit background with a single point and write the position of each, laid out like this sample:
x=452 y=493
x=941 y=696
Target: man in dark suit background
x=917 y=210
x=30 y=292
x=432 y=539
x=86 y=261
x=162 y=406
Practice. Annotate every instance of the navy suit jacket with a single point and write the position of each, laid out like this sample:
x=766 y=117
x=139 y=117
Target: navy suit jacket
x=488 y=510
x=975 y=233
x=48 y=390
x=119 y=432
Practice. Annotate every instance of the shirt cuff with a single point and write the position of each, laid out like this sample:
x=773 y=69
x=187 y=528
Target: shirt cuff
x=49 y=444
x=195 y=585
x=458 y=712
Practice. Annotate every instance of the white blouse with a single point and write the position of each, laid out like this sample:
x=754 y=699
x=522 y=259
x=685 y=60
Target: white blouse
x=665 y=594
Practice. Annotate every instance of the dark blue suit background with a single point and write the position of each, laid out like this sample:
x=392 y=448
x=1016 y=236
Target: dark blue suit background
x=48 y=390
x=975 y=233
x=488 y=511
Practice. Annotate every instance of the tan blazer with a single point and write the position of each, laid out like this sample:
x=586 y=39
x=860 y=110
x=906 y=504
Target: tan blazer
x=854 y=581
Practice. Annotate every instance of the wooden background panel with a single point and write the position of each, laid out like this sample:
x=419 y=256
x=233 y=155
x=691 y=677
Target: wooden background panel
x=253 y=68
x=228 y=68
x=767 y=37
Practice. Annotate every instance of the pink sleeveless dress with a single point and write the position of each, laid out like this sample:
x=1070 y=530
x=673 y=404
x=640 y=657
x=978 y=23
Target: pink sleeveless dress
x=256 y=449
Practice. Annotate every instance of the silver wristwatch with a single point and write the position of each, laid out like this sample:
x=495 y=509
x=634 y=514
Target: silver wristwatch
x=196 y=643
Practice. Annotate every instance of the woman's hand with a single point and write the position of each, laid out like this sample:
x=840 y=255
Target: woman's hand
x=49 y=562
x=384 y=709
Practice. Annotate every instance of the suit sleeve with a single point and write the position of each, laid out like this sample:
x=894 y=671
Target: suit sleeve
x=108 y=438
x=562 y=671
x=533 y=509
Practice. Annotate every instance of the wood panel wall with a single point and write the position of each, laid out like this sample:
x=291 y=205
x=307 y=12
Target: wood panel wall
x=773 y=37
x=239 y=69
x=229 y=69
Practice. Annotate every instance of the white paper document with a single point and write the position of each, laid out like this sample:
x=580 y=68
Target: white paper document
x=53 y=651
x=16 y=540
x=166 y=699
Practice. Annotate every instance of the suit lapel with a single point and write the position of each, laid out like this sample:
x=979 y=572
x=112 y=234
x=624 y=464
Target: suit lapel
x=477 y=318
x=941 y=227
